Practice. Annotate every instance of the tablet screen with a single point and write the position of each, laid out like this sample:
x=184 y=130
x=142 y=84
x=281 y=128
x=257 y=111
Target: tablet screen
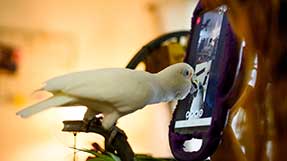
x=206 y=47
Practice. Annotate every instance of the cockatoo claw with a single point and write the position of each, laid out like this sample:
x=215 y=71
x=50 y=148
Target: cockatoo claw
x=92 y=122
x=97 y=120
x=86 y=125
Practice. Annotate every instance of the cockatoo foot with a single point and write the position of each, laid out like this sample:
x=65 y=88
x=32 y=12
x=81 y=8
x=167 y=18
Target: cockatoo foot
x=86 y=125
x=96 y=120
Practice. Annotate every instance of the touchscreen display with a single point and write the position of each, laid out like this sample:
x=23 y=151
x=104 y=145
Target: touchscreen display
x=196 y=109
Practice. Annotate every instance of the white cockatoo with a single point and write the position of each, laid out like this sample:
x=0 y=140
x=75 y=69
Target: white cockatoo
x=114 y=92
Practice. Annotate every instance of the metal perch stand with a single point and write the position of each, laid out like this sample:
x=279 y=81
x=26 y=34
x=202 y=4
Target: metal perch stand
x=119 y=145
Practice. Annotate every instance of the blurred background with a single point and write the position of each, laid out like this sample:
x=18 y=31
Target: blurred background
x=42 y=39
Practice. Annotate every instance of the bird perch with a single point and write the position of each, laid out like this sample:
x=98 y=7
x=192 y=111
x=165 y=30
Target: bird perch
x=119 y=144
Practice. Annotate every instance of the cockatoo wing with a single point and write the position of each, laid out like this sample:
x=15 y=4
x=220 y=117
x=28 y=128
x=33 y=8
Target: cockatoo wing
x=125 y=89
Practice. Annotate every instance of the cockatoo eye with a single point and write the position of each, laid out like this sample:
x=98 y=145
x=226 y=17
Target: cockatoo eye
x=186 y=73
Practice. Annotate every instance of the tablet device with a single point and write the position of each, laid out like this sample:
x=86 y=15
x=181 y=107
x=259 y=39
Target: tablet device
x=207 y=45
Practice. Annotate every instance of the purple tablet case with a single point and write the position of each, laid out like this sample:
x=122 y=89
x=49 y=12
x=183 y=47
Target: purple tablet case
x=227 y=93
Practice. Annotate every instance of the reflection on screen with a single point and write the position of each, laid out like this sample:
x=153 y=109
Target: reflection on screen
x=199 y=109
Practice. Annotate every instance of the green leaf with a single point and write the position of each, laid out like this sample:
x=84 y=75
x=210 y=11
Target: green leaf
x=116 y=158
x=143 y=157
x=108 y=156
x=102 y=157
x=88 y=151
x=99 y=156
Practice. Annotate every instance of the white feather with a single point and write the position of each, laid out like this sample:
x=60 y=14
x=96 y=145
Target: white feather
x=50 y=102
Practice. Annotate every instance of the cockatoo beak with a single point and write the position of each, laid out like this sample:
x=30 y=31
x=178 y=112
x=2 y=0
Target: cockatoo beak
x=194 y=85
x=190 y=77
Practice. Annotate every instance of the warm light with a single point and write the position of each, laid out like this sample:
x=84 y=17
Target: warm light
x=65 y=37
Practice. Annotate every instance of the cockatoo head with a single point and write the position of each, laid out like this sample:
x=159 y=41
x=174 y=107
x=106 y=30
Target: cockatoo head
x=177 y=80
